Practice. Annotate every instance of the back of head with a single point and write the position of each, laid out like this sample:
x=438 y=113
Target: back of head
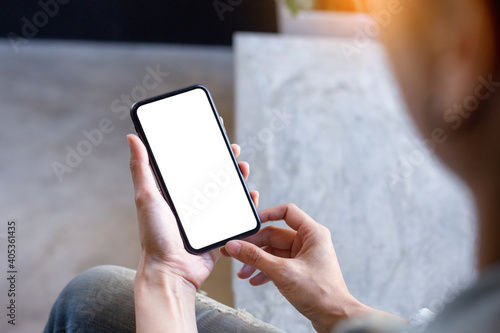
x=445 y=57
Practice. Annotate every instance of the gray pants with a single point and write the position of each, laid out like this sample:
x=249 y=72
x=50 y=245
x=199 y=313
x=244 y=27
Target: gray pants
x=101 y=299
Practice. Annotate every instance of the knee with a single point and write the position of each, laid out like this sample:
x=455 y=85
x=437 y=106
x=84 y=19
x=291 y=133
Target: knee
x=92 y=296
x=98 y=284
x=100 y=276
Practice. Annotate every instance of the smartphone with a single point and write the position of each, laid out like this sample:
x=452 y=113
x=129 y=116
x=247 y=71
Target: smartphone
x=195 y=168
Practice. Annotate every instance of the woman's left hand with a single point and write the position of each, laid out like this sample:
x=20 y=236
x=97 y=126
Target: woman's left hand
x=162 y=247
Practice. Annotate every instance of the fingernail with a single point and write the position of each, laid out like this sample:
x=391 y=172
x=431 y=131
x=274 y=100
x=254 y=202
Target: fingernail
x=233 y=248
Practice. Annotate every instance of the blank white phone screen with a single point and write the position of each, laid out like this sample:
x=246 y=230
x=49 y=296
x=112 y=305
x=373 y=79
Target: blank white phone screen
x=195 y=164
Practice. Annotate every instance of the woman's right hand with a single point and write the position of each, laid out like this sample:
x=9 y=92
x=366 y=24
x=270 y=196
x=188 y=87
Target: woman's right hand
x=301 y=262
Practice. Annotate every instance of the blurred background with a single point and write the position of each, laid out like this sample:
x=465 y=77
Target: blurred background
x=305 y=88
x=184 y=22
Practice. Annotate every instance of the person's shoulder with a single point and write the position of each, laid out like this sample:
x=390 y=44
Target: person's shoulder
x=477 y=309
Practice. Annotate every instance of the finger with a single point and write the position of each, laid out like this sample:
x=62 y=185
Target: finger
x=224 y=252
x=282 y=253
x=236 y=150
x=259 y=279
x=244 y=168
x=255 y=197
x=139 y=167
x=274 y=237
x=254 y=256
x=246 y=271
x=214 y=255
x=292 y=215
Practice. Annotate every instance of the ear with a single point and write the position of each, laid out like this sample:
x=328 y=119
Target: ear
x=466 y=59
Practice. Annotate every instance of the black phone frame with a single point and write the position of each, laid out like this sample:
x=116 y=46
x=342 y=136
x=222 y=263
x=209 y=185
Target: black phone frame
x=161 y=182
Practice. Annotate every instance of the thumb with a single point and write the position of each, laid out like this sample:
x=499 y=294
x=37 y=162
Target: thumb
x=254 y=256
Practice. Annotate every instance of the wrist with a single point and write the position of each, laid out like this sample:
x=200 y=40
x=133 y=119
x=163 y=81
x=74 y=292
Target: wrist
x=163 y=299
x=152 y=274
x=339 y=311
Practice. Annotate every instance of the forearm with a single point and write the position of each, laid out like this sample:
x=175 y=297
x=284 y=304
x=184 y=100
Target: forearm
x=351 y=308
x=387 y=315
x=163 y=303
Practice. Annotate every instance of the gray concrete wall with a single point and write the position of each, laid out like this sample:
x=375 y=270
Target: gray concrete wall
x=49 y=93
x=347 y=155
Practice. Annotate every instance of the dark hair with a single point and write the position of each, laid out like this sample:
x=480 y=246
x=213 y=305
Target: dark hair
x=495 y=8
